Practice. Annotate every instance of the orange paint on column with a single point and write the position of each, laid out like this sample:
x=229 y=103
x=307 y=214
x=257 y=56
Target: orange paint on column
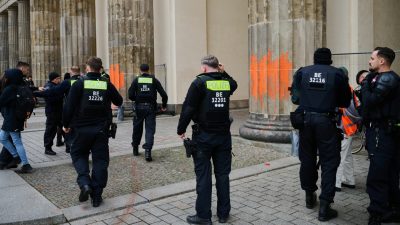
x=285 y=69
x=117 y=76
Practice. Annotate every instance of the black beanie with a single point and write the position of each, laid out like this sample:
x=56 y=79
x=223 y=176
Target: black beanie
x=53 y=75
x=323 y=56
x=144 y=67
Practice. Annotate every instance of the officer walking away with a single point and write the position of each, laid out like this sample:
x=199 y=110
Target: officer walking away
x=62 y=89
x=87 y=116
x=207 y=104
x=321 y=88
x=53 y=111
x=380 y=94
x=143 y=91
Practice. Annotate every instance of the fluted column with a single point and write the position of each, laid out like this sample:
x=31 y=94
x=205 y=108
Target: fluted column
x=24 y=31
x=45 y=38
x=130 y=40
x=283 y=35
x=12 y=36
x=78 y=32
x=3 y=42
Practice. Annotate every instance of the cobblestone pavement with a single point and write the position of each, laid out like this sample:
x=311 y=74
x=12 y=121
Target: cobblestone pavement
x=273 y=197
x=165 y=137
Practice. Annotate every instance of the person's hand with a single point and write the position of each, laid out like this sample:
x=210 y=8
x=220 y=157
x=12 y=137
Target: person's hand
x=163 y=109
x=221 y=68
x=41 y=88
x=182 y=136
x=66 y=130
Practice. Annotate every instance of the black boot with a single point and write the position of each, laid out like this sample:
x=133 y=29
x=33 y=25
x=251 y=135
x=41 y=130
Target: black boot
x=14 y=163
x=325 y=211
x=49 y=151
x=311 y=199
x=67 y=149
x=86 y=190
x=135 y=150
x=374 y=220
x=195 y=219
x=147 y=155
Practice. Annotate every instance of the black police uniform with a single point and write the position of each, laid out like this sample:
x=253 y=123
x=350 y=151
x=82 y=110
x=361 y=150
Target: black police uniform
x=53 y=111
x=57 y=90
x=143 y=91
x=89 y=122
x=207 y=104
x=321 y=89
x=381 y=114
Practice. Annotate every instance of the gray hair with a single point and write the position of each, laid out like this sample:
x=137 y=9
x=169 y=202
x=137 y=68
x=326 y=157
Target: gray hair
x=210 y=61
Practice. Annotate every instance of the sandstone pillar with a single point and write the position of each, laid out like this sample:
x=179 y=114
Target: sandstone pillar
x=283 y=35
x=12 y=36
x=78 y=32
x=130 y=40
x=24 y=31
x=45 y=38
x=3 y=42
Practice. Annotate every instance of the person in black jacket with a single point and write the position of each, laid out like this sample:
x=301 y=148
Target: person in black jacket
x=5 y=156
x=380 y=97
x=12 y=127
x=63 y=90
x=207 y=104
x=53 y=110
x=143 y=91
x=320 y=89
x=87 y=116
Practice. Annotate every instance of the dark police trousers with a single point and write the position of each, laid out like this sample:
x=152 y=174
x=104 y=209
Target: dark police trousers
x=145 y=112
x=53 y=121
x=319 y=134
x=217 y=147
x=383 y=173
x=94 y=140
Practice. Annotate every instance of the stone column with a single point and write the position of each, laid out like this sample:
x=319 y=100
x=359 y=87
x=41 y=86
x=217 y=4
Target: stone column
x=3 y=42
x=78 y=32
x=45 y=39
x=24 y=31
x=12 y=36
x=283 y=35
x=130 y=40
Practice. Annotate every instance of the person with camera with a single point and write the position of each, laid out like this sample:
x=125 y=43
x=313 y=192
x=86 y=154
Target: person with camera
x=143 y=91
x=207 y=104
x=89 y=123
x=380 y=96
x=320 y=90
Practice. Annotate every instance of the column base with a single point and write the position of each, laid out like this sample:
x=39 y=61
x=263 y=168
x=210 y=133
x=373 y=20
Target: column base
x=275 y=129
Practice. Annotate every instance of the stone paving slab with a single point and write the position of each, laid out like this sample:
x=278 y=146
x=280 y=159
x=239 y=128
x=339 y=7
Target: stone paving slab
x=22 y=204
x=271 y=197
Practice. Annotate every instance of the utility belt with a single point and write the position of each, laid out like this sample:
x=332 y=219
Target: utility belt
x=389 y=126
x=297 y=118
x=220 y=128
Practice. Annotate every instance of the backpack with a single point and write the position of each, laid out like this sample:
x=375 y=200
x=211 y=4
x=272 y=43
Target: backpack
x=24 y=104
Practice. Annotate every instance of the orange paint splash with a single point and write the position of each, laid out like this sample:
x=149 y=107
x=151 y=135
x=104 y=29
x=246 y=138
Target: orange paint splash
x=270 y=77
x=117 y=76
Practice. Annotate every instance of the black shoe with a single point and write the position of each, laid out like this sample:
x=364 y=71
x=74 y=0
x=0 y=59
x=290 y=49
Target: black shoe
x=197 y=220
x=351 y=186
x=27 y=168
x=147 y=155
x=96 y=201
x=86 y=190
x=49 y=151
x=326 y=212
x=311 y=199
x=374 y=220
x=135 y=150
x=223 y=219
x=14 y=163
x=338 y=189
x=59 y=143
x=67 y=149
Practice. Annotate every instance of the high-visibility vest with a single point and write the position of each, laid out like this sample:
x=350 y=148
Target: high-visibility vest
x=349 y=127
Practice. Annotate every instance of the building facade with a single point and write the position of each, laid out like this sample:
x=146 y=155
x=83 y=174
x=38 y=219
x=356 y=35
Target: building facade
x=261 y=42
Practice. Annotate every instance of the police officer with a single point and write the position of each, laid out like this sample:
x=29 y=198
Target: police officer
x=207 y=104
x=321 y=88
x=380 y=94
x=89 y=123
x=53 y=110
x=62 y=89
x=143 y=91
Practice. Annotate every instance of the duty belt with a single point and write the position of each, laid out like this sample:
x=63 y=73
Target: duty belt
x=144 y=103
x=320 y=114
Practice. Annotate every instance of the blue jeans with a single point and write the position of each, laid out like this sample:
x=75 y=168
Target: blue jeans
x=18 y=149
